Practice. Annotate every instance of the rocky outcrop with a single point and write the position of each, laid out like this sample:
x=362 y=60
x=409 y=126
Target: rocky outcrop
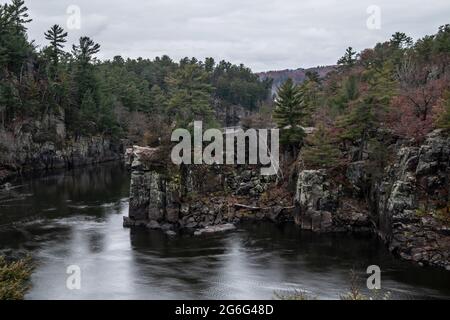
x=413 y=202
x=49 y=156
x=315 y=201
x=406 y=205
x=321 y=205
x=152 y=192
x=180 y=198
x=34 y=147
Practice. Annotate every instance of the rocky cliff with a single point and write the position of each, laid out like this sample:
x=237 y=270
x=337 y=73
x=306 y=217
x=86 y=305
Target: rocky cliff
x=412 y=202
x=33 y=146
x=197 y=198
x=407 y=206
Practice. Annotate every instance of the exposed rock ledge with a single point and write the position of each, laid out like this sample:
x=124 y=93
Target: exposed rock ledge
x=29 y=156
x=203 y=198
x=406 y=207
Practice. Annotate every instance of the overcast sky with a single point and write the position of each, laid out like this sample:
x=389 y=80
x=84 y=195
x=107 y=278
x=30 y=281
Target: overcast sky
x=263 y=34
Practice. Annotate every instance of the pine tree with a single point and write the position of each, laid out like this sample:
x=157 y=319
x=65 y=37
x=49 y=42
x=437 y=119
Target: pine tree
x=87 y=84
x=18 y=13
x=311 y=95
x=290 y=113
x=312 y=76
x=209 y=64
x=57 y=38
x=401 y=40
x=348 y=59
x=14 y=51
x=190 y=95
x=85 y=50
x=442 y=40
x=14 y=46
x=365 y=115
x=158 y=99
x=89 y=113
x=84 y=75
x=320 y=151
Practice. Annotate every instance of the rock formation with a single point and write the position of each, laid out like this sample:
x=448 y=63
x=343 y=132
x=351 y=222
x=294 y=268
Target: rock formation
x=194 y=197
x=407 y=206
x=34 y=147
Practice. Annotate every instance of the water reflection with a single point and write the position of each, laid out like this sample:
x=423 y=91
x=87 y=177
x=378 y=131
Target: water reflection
x=75 y=218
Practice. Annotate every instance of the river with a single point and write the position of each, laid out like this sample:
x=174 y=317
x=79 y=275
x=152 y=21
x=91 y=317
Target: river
x=74 y=218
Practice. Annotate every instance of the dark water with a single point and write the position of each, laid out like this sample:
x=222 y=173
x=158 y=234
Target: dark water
x=75 y=218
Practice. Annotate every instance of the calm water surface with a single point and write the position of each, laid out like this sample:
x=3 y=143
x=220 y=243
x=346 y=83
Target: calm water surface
x=75 y=218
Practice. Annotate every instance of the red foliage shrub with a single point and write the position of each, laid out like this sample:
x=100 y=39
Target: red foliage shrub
x=407 y=122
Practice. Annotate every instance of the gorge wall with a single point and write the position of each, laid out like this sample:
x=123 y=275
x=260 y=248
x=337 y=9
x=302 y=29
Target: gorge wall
x=199 y=198
x=407 y=206
x=43 y=145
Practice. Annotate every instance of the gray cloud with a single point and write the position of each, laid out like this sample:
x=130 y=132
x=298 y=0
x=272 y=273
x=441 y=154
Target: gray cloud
x=263 y=34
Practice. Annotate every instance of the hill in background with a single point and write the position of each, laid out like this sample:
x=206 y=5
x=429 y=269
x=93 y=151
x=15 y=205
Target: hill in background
x=298 y=75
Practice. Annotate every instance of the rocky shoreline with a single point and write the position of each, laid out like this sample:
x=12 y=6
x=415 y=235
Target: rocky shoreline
x=26 y=156
x=208 y=199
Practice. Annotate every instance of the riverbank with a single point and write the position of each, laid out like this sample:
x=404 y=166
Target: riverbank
x=406 y=205
x=74 y=218
x=28 y=157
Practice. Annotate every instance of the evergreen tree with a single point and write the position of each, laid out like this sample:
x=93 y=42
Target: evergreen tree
x=87 y=97
x=209 y=64
x=93 y=96
x=190 y=95
x=158 y=99
x=57 y=38
x=401 y=40
x=85 y=50
x=348 y=59
x=14 y=46
x=311 y=96
x=320 y=150
x=312 y=76
x=89 y=113
x=290 y=113
x=14 y=52
x=19 y=14
x=365 y=115
x=84 y=75
x=442 y=40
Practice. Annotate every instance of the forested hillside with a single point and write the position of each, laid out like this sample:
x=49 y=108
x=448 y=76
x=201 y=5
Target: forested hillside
x=378 y=156
x=119 y=97
x=400 y=89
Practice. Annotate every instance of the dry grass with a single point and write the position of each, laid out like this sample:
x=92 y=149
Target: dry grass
x=14 y=278
x=295 y=295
